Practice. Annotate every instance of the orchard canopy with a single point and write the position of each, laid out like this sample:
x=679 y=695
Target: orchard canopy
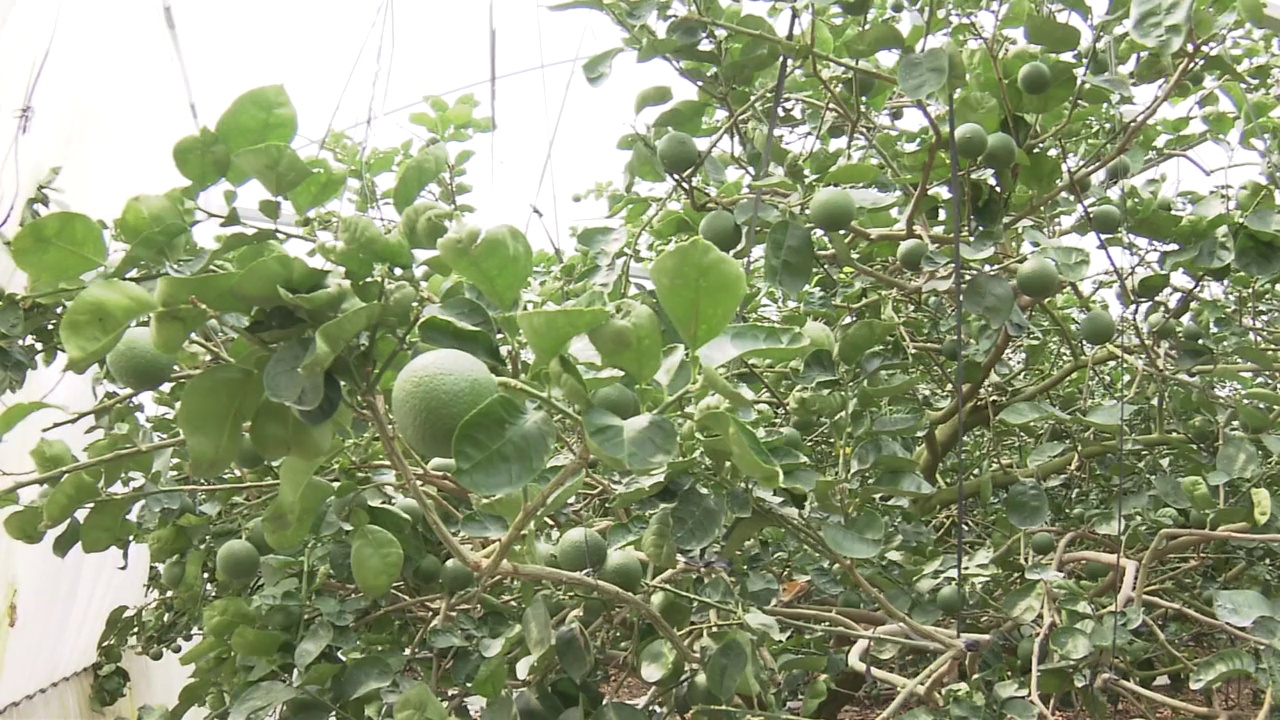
x=923 y=363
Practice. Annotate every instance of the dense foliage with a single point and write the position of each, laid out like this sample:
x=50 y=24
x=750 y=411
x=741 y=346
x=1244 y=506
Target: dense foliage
x=906 y=374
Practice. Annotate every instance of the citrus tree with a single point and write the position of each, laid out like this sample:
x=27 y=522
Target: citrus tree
x=905 y=374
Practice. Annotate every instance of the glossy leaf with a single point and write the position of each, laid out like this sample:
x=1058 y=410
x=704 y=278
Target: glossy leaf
x=502 y=446
x=643 y=442
x=302 y=496
x=275 y=165
x=376 y=560
x=215 y=404
x=59 y=246
x=95 y=321
x=788 y=257
x=260 y=116
x=549 y=331
x=700 y=289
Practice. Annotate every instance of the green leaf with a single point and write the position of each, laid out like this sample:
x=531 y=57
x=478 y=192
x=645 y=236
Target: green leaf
x=597 y=68
x=1160 y=24
x=335 y=335
x=322 y=185
x=1051 y=35
x=318 y=636
x=68 y=496
x=548 y=331
x=16 y=413
x=991 y=297
x=768 y=342
x=288 y=519
x=874 y=38
x=1026 y=505
x=419 y=703
x=252 y=642
x=643 y=442
x=97 y=318
x=852 y=174
x=536 y=623
x=416 y=174
x=745 y=449
x=262 y=696
x=59 y=246
x=502 y=446
x=1260 y=503
x=618 y=710
x=275 y=165
x=150 y=222
x=1023 y=604
x=630 y=340
x=203 y=159
x=698 y=518
x=920 y=74
x=440 y=331
x=856 y=339
x=1028 y=412
x=215 y=404
x=284 y=381
x=1071 y=643
x=25 y=525
x=499 y=263
x=1242 y=607
x=1222 y=666
x=658 y=661
x=1238 y=457
x=652 y=97
x=861 y=539
x=106 y=526
x=788 y=257
x=573 y=650
x=700 y=289
x=725 y=668
x=658 y=541
x=376 y=560
x=260 y=116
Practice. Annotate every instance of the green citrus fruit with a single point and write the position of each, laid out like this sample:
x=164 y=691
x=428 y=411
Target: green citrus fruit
x=283 y=617
x=581 y=548
x=1038 y=278
x=172 y=572
x=456 y=577
x=410 y=507
x=1084 y=182
x=1106 y=219
x=950 y=349
x=971 y=141
x=849 y=599
x=1202 y=429
x=677 y=152
x=237 y=561
x=136 y=364
x=911 y=253
x=1042 y=543
x=720 y=229
x=820 y=336
x=433 y=393
x=1097 y=570
x=1027 y=646
x=258 y=537
x=249 y=458
x=1119 y=169
x=672 y=608
x=1098 y=327
x=1198 y=520
x=1161 y=326
x=428 y=570
x=1192 y=332
x=950 y=600
x=1001 y=152
x=1253 y=420
x=617 y=399
x=442 y=465
x=1034 y=78
x=623 y=568
x=832 y=209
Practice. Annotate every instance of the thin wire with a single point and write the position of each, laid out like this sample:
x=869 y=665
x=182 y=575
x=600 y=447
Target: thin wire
x=957 y=208
x=182 y=64
x=766 y=154
x=355 y=65
x=493 y=97
x=24 y=115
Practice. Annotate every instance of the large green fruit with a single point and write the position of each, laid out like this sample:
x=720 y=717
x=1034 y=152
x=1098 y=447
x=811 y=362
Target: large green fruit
x=630 y=340
x=1161 y=326
x=720 y=229
x=617 y=399
x=248 y=458
x=971 y=141
x=950 y=600
x=1106 y=219
x=433 y=393
x=136 y=364
x=1119 y=169
x=1038 y=278
x=258 y=537
x=911 y=253
x=237 y=561
x=1001 y=152
x=410 y=507
x=1027 y=646
x=456 y=577
x=1098 y=327
x=677 y=152
x=1096 y=570
x=1042 y=543
x=820 y=336
x=672 y=608
x=832 y=209
x=581 y=548
x=1034 y=78
x=622 y=568
x=442 y=465
x=172 y=573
